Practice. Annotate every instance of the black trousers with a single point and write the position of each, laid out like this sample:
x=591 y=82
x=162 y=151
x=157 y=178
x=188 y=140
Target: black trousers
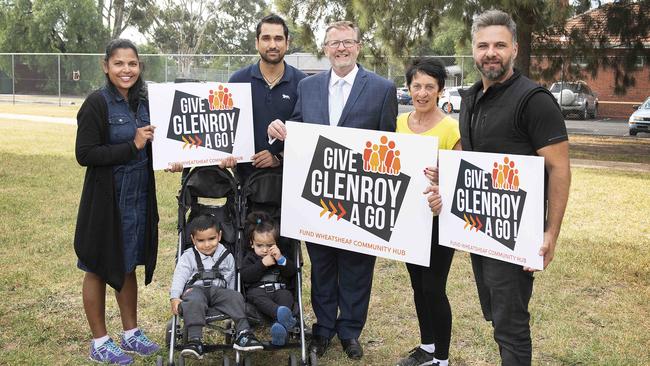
x=430 y=297
x=269 y=302
x=196 y=301
x=504 y=290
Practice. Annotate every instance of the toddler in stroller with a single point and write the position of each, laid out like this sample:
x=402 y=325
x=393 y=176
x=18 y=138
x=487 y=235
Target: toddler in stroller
x=205 y=277
x=268 y=275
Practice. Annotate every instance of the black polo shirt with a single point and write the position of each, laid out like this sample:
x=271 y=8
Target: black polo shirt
x=269 y=104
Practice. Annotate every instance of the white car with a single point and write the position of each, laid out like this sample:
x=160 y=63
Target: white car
x=640 y=120
x=450 y=100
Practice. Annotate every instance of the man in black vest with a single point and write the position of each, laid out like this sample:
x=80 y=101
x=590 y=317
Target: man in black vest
x=505 y=112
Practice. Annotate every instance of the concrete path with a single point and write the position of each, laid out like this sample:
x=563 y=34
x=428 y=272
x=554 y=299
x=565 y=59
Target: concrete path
x=34 y=118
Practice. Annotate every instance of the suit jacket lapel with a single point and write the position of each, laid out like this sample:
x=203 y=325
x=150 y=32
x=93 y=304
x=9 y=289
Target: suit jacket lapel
x=325 y=98
x=359 y=83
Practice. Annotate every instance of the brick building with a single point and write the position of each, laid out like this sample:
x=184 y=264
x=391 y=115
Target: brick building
x=593 y=24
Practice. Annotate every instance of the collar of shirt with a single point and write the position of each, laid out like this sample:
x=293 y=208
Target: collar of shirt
x=349 y=78
x=256 y=72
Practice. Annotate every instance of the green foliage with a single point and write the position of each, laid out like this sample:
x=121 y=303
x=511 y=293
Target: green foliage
x=398 y=28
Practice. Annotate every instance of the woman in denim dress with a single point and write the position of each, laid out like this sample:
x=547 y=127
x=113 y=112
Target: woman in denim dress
x=118 y=216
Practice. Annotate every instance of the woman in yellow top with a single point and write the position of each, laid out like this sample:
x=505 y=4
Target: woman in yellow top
x=425 y=79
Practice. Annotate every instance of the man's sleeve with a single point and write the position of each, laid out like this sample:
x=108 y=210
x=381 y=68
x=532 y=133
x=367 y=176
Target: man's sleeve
x=388 y=118
x=297 y=109
x=543 y=121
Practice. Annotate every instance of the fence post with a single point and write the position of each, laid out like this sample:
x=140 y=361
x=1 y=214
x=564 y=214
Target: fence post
x=166 y=58
x=228 y=66
x=59 y=67
x=462 y=71
x=13 y=78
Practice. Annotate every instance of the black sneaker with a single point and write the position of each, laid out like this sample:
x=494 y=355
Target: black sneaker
x=417 y=357
x=193 y=349
x=246 y=341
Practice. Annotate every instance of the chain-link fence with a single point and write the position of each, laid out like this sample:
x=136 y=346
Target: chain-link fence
x=68 y=78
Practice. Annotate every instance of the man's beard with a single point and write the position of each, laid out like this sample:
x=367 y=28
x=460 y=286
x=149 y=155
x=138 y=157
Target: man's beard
x=272 y=61
x=496 y=74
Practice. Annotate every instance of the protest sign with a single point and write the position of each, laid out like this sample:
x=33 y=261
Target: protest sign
x=358 y=190
x=201 y=123
x=493 y=205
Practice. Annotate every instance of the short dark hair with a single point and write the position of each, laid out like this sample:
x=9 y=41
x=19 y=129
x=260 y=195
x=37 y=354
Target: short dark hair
x=204 y=222
x=261 y=222
x=272 y=19
x=427 y=65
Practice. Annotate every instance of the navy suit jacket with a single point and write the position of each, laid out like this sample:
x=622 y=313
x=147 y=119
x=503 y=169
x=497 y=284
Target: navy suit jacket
x=372 y=103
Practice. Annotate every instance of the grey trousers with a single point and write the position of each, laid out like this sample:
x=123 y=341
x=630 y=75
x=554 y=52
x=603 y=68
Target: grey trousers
x=504 y=290
x=196 y=301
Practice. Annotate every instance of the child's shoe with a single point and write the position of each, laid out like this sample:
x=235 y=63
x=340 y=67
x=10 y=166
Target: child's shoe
x=278 y=334
x=246 y=341
x=193 y=349
x=109 y=353
x=140 y=344
x=285 y=317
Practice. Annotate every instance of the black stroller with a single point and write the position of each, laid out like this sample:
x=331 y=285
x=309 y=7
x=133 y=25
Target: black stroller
x=210 y=190
x=263 y=192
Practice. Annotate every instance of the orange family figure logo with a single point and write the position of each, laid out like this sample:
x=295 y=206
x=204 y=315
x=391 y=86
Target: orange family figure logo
x=364 y=188
x=382 y=157
x=204 y=122
x=491 y=201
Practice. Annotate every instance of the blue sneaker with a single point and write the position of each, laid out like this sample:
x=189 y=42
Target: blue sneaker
x=140 y=344
x=285 y=317
x=278 y=334
x=109 y=353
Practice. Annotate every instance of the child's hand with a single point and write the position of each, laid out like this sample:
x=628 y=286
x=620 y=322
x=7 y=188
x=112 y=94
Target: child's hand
x=268 y=261
x=175 y=303
x=275 y=252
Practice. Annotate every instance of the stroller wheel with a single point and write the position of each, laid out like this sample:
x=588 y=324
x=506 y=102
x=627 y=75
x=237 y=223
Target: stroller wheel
x=293 y=360
x=313 y=359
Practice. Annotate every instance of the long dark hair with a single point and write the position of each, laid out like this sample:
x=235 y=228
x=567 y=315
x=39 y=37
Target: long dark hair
x=138 y=90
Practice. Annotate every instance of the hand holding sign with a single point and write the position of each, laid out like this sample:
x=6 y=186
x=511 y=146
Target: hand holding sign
x=142 y=135
x=277 y=130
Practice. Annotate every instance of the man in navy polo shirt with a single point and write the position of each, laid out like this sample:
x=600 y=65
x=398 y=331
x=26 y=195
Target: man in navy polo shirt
x=274 y=86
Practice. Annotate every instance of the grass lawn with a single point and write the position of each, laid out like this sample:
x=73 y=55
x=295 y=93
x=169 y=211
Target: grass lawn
x=589 y=308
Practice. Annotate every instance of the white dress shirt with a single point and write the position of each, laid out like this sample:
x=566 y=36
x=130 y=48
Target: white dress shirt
x=347 y=88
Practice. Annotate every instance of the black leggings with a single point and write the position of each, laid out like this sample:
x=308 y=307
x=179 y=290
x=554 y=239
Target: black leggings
x=431 y=302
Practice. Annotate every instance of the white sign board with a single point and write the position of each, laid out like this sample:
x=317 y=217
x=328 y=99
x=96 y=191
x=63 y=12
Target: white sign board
x=201 y=123
x=493 y=205
x=358 y=190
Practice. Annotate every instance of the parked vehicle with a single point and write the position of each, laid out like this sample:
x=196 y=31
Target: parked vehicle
x=576 y=98
x=640 y=120
x=450 y=100
x=403 y=96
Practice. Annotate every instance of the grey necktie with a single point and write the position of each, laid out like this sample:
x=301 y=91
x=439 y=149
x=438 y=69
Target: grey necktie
x=336 y=103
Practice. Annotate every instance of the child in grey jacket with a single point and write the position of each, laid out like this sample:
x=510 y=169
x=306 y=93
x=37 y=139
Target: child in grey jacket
x=205 y=277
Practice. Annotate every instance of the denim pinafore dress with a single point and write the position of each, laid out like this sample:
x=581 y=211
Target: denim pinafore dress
x=131 y=180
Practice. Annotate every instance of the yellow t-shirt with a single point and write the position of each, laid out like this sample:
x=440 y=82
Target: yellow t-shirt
x=446 y=131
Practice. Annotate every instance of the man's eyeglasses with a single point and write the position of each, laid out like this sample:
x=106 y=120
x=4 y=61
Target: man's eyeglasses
x=347 y=43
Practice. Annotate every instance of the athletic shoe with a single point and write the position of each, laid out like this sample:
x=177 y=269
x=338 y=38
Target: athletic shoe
x=278 y=334
x=140 y=344
x=285 y=317
x=417 y=357
x=246 y=341
x=109 y=353
x=193 y=349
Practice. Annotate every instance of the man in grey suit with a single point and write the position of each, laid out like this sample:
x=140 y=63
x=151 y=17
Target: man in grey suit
x=345 y=96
